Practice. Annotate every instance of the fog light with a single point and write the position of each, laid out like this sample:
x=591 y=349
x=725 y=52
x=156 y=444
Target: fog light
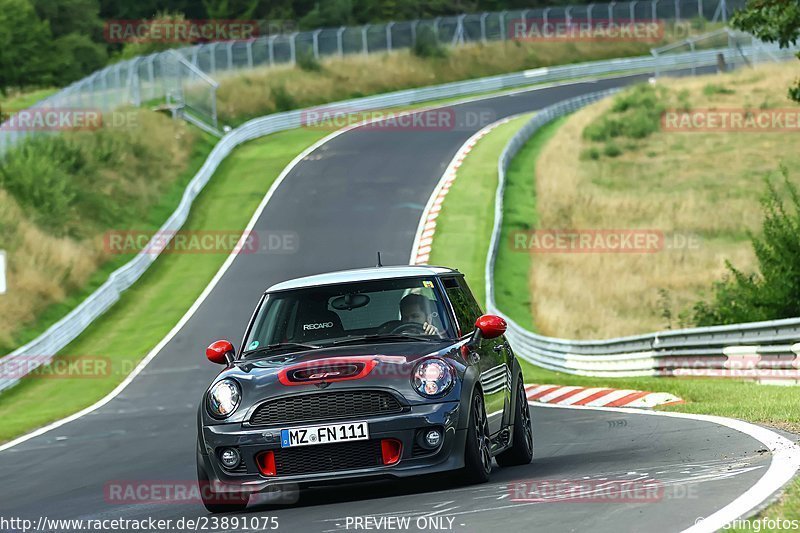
x=433 y=438
x=230 y=457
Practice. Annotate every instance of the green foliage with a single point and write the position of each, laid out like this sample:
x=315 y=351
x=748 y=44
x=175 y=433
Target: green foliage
x=23 y=41
x=634 y=114
x=590 y=153
x=611 y=149
x=284 y=101
x=772 y=21
x=306 y=61
x=427 y=45
x=712 y=88
x=774 y=292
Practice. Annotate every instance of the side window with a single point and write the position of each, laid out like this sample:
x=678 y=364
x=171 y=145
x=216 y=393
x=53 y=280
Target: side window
x=464 y=305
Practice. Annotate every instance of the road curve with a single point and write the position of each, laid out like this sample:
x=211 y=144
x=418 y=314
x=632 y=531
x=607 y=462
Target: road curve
x=364 y=191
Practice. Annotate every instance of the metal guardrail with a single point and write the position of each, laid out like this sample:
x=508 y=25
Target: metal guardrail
x=764 y=350
x=42 y=349
x=161 y=77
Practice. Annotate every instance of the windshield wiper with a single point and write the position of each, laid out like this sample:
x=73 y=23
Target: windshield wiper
x=281 y=346
x=399 y=337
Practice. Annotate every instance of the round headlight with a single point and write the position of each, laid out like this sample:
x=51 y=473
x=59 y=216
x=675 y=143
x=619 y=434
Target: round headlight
x=224 y=398
x=432 y=377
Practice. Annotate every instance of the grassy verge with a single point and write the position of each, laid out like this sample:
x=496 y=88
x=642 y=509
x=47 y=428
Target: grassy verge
x=144 y=316
x=461 y=235
x=16 y=101
x=769 y=405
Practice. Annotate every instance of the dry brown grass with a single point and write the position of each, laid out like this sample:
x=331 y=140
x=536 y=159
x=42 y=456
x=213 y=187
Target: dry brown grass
x=254 y=93
x=124 y=176
x=700 y=184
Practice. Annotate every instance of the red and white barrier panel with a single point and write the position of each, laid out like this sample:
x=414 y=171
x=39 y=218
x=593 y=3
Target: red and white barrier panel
x=598 y=397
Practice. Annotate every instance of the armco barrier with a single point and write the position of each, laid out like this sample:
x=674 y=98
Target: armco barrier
x=73 y=324
x=764 y=350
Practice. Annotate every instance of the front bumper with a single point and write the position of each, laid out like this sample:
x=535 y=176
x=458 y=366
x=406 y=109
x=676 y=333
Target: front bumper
x=404 y=427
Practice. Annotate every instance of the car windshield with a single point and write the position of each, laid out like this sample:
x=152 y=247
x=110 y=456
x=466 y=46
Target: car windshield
x=386 y=310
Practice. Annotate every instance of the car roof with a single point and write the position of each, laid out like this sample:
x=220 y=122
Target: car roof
x=362 y=274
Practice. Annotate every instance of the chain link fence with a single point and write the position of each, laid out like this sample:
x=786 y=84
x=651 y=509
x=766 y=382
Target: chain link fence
x=183 y=79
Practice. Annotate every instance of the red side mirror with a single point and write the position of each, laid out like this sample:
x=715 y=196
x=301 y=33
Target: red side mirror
x=491 y=326
x=217 y=352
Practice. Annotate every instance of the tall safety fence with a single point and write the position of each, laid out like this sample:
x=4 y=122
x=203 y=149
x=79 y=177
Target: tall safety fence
x=183 y=78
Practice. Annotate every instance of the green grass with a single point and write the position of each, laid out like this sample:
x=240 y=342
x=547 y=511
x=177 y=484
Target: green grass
x=462 y=235
x=512 y=269
x=18 y=101
x=143 y=316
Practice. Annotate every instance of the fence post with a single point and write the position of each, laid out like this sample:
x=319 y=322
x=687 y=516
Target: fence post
x=589 y=9
x=568 y=15
x=339 y=43
x=611 y=11
x=724 y=10
x=677 y=9
x=483 y=26
x=212 y=58
x=632 y=10
x=315 y=43
x=545 y=15
x=194 y=55
x=654 y=8
x=436 y=28
x=150 y=75
x=389 y=36
x=503 y=34
x=414 y=24
x=364 y=47
x=700 y=9
x=250 y=53
x=293 y=48
x=229 y=53
x=271 y=49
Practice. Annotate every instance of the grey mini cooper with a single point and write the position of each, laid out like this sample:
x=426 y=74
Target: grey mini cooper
x=382 y=372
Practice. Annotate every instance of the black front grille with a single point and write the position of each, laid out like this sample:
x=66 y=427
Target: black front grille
x=328 y=458
x=325 y=406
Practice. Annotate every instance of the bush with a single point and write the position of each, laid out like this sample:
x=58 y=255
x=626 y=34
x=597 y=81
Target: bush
x=712 y=88
x=427 y=45
x=774 y=292
x=634 y=114
x=306 y=61
x=591 y=153
x=284 y=101
x=612 y=150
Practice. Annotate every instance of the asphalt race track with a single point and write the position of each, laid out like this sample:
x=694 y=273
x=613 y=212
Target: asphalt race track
x=361 y=192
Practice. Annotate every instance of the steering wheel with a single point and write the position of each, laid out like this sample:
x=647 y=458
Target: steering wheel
x=407 y=327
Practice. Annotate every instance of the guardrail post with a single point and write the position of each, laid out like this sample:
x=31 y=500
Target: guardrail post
x=389 y=36
x=293 y=48
x=503 y=25
x=339 y=43
x=691 y=47
x=230 y=55
x=796 y=350
x=212 y=57
x=483 y=27
x=364 y=47
x=589 y=9
x=194 y=55
x=741 y=358
x=250 y=53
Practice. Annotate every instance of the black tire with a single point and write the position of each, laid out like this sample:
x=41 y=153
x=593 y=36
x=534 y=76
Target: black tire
x=216 y=502
x=478 y=449
x=521 y=451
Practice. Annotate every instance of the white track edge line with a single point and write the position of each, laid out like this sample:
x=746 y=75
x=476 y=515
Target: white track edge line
x=783 y=466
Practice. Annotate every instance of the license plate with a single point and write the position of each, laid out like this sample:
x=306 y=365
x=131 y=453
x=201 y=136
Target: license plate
x=307 y=436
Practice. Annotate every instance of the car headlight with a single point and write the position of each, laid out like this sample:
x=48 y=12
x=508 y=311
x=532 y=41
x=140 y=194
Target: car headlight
x=432 y=377
x=224 y=398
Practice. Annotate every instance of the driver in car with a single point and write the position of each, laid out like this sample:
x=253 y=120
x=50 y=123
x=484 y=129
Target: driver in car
x=415 y=309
